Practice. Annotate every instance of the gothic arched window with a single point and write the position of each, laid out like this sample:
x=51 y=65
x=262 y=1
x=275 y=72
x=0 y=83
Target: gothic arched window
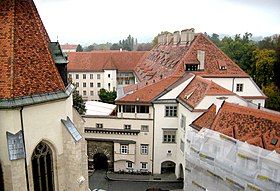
x=42 y=168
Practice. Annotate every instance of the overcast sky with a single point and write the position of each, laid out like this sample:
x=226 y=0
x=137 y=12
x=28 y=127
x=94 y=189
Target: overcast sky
x=100 y=21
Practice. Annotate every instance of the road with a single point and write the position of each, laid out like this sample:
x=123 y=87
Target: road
x=98 y=180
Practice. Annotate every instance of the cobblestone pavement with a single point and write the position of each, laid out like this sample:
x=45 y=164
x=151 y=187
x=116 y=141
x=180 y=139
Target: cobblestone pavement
x=130 y=182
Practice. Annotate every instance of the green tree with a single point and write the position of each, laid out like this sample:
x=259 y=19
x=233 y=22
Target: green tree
x=79 y=48
x=273 y=94
x=115 y=46
x=78 y=103
x=264 y=61
x=240 y=50
x=215 y=39
x=107 y=96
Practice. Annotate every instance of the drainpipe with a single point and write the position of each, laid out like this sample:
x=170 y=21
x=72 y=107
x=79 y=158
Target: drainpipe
x=153 y=147
x=23 y=139
x=232 y=89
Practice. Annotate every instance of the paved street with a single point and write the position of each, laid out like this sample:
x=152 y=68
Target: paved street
x=98 y=180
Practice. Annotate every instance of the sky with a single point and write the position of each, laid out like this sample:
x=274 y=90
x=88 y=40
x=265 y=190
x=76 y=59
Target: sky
x=99 y=21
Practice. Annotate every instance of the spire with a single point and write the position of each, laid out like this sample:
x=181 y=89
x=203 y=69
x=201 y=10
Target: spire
x=26 y=64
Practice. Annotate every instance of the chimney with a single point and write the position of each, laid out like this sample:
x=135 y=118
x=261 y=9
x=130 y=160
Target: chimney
x=184 y=37
x=176 y=38
x=164 y=39
x=169 y=37
x=159 y=39
x=190 y=34
x=201 y=59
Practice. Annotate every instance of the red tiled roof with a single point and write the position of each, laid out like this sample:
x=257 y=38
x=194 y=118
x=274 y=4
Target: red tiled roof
x=198 y=88
x=206 y=119
x=214 y=59
x=97 y=61
x=149 y=92
x=257 y=127
x=69 y=46
x=26 y=64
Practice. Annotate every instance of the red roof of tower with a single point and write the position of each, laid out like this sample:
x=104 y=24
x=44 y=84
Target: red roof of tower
x=26 y=64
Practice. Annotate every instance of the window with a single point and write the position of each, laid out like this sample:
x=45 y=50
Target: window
x=98 y=85
x=77 y=76
x=124 y=149
x=91 y=93
x=91 y=76
x=109 y=75
x=169 y=136
x=191 y=67
x=84 y=84
x=182 y=146
x=142 y=109
x=91 y=84
x=183 y=122
x=126 y=81
x=127 y=126
x=70 y=76
x=84 y=93
x=109 y=86
x=77 y=84
x=42 y=167
x=129 y=164
x=144 y=128
x=144 y=165
x=239 y=87
x=170 y=111
x=99 y=125
x=144 y=149
x=84 y=76
x=129 y=109
x=98 y=76
x=120 y=108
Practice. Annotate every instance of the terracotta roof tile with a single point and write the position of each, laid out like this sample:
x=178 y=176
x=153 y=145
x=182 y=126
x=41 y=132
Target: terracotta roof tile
x=206 y=119
x=198 y=88
x=254 y=126
x=26 y=64
x=149 y=92
x=214 y=59
x=97 y=61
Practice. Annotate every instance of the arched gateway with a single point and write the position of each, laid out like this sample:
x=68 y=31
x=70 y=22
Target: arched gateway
x=100 y=154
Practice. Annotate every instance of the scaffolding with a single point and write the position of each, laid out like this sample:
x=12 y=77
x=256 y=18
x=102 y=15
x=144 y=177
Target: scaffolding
x=215 y=161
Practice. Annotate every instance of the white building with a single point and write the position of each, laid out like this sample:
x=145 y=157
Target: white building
x=111 y=70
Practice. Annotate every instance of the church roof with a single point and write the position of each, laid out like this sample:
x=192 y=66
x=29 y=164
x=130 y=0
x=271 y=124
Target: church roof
x=26 y=64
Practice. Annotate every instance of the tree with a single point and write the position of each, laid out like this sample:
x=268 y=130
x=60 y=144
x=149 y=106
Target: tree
x=107 y=96
x=89 y=48
x=79 y=48
x=215 y=39
x=78 y=103
x=115 y=46
x=273 y=94
x=264 y=61
x=240 y=50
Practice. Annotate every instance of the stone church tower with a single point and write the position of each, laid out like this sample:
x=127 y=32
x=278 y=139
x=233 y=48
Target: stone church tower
x=41 y=143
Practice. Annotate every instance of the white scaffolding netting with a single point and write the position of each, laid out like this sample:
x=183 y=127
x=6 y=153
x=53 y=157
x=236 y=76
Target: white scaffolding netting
x=217 y=162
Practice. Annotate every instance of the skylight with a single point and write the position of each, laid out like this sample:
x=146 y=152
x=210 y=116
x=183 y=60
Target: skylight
x=72 y=129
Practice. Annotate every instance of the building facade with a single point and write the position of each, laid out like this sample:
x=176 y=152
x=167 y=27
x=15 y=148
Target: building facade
x=111 y=70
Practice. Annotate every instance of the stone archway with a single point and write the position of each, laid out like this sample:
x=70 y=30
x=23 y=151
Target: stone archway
x=168 y=167
x=100 y=161
x=100 y=149
x=181 y=172
x=1 y=178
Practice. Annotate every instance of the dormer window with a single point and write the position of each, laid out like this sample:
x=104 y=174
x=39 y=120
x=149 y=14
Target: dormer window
x=191 y=67
x=223 y=67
